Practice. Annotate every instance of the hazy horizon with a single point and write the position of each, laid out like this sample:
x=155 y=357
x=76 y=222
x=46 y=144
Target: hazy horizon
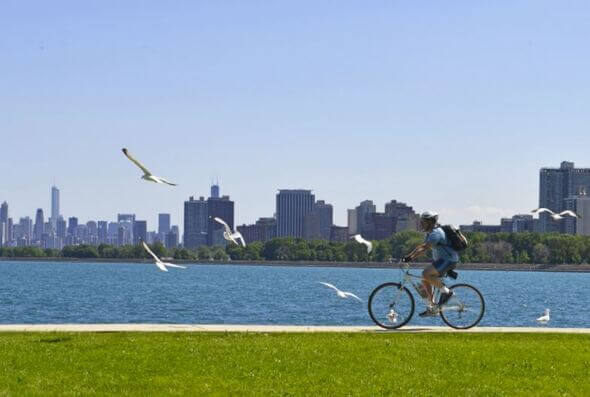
x=452 y=107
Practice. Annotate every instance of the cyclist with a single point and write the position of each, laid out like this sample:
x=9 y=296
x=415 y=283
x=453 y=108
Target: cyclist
x=444 y=258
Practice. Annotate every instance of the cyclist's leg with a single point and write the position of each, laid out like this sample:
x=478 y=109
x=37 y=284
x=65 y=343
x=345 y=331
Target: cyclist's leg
x=429 y=278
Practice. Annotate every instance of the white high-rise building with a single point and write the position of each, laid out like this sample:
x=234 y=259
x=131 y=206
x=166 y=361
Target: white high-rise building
x=54 y=207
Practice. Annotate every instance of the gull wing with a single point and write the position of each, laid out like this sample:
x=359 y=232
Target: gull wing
x=147 y=248
x=137 y=163
x=359 y=239
x=570 y=213
x=541 y=210
x=161 y=266
x=330 y=285
x=238 y=235
x=166 y=182
x=173 y=265
x=225 y=225
x=353 y=295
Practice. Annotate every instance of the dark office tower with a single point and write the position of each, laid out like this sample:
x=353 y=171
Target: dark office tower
x=54 y=207
x=102 y=231
x=163 y=223
x=9 y=230
x=291 y=208
x=60 y=227
x=72 y=225
x=215 y=190
x=171 y=240
x=317 y=224
x=92 y=228
x=222 y=208
x=379 y=226
x=39 y=221
x=555 y=187
x=405 y=217
x=4 y=213
x=139 y=231
x=264 y=230
x=26 y=225
x=363 y=212
x=195 y=222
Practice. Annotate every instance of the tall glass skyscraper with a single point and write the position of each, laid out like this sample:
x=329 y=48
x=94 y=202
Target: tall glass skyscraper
x=54 y=207
x=195 y=222
x=291 y=208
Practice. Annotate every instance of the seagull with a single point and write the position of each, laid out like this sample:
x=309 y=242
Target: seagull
x=544 y=319
x=161 y=265
x=555 y=216
x=341 y=294
x=147 y=175
x=359 y=239
x=229 y=235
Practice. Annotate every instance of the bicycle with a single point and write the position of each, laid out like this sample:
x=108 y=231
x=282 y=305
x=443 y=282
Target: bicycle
x=391 y=305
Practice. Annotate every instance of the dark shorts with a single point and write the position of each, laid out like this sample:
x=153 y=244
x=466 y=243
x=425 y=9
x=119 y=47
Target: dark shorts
x=442 y=266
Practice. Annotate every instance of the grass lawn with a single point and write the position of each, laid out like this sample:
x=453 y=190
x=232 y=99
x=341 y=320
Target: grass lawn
x=150 y=364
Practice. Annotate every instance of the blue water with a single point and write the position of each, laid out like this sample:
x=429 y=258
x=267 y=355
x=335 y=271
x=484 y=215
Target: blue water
x=37 y=292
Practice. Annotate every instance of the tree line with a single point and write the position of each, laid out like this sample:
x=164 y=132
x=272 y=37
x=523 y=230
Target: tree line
x=539 y=248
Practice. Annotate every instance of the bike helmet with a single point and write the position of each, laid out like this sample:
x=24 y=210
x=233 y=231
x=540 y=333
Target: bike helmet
x=429 y=215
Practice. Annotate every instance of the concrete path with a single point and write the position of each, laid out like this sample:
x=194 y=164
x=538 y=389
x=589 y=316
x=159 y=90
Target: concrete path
x=265 y=328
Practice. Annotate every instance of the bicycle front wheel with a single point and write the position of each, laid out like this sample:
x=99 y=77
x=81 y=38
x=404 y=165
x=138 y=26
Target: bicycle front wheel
x=391 y=305
x=465 y=309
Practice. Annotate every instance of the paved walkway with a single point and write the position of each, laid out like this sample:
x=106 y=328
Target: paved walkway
x=264 y=328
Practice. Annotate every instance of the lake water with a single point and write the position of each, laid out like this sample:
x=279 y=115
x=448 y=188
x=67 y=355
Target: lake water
x=55 y=292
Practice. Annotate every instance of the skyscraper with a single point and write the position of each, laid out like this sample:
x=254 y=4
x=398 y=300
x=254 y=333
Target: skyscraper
x=317 y=224
x=291 y=208
x=4 y=212
x=102 y=231
x=163 y=223
x=54 y=207
x=405 y=217
x=72 y=225
x=220 y=207
x=580 y=204
x=39 y=221
x=139 y=231
x=555 y=186
x=195 y=222
x=60 y=227
x=215 y=190
x=363 y=212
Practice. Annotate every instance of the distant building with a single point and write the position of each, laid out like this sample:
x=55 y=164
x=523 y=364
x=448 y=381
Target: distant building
x=215 y=190
x=291 y=208
x=54 y=207
x=363 y=211
x=339 y=234
x=379 y=226
x=171 y=240
x=60 y=228
x=263 y=230
x=26 y=228
x=223 y=208
x=102 y=232
x=72 y=225
x=556 y=185
x=195 y=222
x=317 y=224
x=163 y=223
x=139 y=231
x=581 y=206
x=479 y=227
x=39 y=222
x=352 y=222
x=4 y=212
x=404 y=215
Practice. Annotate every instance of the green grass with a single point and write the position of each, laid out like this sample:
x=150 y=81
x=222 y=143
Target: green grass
x=150 y=364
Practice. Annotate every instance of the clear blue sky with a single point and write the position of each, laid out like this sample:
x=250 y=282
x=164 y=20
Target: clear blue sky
x=452 y=106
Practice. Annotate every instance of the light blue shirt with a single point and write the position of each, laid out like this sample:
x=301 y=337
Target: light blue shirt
x=440 y=246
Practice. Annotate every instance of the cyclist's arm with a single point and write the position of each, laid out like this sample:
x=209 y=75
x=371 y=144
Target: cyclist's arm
x=419 y=250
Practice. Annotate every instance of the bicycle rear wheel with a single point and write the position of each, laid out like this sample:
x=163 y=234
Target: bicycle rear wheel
x=391 y=305
x=465 y=309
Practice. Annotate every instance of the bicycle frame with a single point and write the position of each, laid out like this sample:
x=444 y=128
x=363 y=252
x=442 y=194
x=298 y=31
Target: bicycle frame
x=409 y=278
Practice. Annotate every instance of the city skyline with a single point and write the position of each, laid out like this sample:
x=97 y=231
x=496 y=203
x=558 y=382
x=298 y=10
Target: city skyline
x=408 y=104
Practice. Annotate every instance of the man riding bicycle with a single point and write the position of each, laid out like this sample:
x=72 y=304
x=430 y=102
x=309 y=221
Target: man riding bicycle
x=444 y=258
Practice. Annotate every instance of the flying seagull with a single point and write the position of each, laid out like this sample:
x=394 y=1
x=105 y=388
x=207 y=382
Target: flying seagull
x=147 y=175
x=229 y=235
x=342 y=294
x=544 y=319
x=359 y=239
x=555 y=216
x=161 y=265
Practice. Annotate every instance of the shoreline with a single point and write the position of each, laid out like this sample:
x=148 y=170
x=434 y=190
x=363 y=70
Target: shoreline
x=582 y=268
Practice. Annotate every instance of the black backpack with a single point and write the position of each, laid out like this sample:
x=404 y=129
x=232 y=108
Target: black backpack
x=455 y=239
